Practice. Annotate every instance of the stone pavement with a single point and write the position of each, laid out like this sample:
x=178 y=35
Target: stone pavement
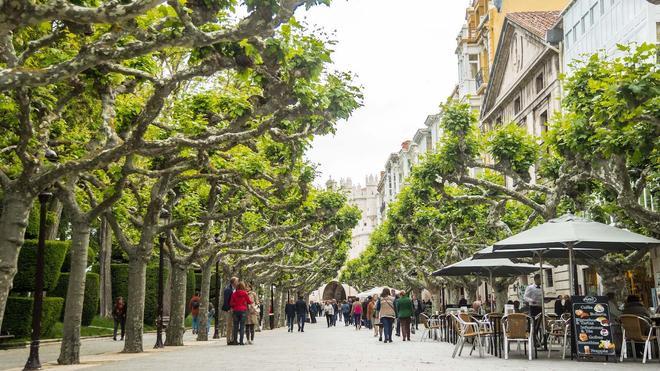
x=318 y=348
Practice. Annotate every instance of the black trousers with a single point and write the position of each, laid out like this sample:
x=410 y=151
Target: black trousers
x=119 y=322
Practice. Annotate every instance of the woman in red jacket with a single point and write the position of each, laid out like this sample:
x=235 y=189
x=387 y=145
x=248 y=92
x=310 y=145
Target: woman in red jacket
x=239 y=305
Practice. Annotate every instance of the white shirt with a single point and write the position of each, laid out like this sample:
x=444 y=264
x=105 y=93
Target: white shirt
x=533 y=295
x=329 y=309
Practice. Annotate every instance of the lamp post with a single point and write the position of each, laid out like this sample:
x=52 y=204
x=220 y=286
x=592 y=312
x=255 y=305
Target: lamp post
x=164 y=215
x=271 y=315
x=216 y=331
x=33 y=362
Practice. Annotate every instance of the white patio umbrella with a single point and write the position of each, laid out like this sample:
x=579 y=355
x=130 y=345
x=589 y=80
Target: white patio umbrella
x=569 y=234
x=487 y=267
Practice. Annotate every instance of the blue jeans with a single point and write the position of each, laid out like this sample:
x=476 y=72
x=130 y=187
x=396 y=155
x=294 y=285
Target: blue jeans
x=290 y=321
x=346 y=315
x=387 y=327
x=239 y=324
x=195 y=324
x=302 y=318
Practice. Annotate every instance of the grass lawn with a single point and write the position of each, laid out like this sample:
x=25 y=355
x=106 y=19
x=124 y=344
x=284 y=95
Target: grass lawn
x=100 y=326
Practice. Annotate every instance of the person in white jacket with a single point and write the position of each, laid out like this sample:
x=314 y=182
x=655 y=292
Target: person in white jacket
x=329 y=312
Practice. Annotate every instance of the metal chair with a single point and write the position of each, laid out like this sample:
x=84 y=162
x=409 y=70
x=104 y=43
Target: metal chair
x=559 y=330
x=519 y=328
x=634 y=329
x=467 y=331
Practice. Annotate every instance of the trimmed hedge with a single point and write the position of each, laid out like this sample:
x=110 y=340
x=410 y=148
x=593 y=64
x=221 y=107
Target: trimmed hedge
x=91 y=258
x=91 y=301
x=119 y=274
x=54 y=254
x=18 y=315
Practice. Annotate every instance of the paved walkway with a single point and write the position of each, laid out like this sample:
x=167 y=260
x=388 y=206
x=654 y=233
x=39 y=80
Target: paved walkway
x=318 y=348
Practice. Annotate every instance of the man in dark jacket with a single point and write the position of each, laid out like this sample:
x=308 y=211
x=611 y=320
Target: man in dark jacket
x=229 y=321
x=290 y=312
x=418 y=307
x=312 y=312
x=301 y=311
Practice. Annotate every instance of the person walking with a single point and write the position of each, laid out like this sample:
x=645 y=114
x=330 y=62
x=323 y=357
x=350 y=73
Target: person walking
x=357 y=314
x=329 y=312
x=253 y=315
x=226 y=307
x=301 y=312
x=312 y=312
x=335 y=313
x=387 y=313
x=239 y=302
x=290 y=312
x=346 y=312
x=397 y=321
x=119 y=317
x=193 y=306
x=405 y=312
x=418 y=307
x=371 y=309
x=364 y=313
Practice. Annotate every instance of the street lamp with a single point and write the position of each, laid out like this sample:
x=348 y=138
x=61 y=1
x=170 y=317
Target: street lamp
x=216 y=327
x=271 y=315
x=33 y=362
x=164 y=215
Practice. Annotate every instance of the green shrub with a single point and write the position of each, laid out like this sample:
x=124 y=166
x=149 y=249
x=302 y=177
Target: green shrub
x=91 y=301
x=91 y=258
x=119 y=274
x=54 y=253
x=18 y=315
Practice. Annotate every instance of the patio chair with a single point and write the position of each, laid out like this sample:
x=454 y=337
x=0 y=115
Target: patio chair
x=467 y=331
x=426 y=322
x=636 y=329
x=558 y=331
x=485 y=328
x=519 y=328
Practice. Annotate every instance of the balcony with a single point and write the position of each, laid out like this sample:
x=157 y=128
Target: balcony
x=479 y=79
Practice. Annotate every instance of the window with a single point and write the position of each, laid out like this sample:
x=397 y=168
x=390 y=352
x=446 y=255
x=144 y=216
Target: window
x=517 y=104
x=583 y=24
x=568 y=39
x=474 y=65
x=602 y=7
x=549 y=279
x=540 y=84
x=543 y=122
x=575 y=31
x=592 y=15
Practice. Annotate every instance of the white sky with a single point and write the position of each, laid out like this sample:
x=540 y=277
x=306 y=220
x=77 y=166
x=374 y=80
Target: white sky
x=403 y=54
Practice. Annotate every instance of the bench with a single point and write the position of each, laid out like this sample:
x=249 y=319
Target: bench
x=166 y=322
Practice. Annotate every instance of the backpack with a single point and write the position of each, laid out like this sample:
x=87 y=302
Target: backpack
x=195 y=304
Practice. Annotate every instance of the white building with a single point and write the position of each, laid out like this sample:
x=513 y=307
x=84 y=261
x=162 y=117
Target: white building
x=366 y=199
x=588 y=26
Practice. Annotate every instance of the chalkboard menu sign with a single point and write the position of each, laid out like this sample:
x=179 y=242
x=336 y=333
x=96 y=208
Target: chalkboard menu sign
x=591 y=326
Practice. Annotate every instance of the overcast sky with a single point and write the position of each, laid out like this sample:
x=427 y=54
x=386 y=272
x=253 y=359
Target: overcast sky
x=403 y=54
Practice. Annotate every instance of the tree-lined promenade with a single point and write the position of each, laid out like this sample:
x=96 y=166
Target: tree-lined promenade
x=599 y=157
x=185 y=121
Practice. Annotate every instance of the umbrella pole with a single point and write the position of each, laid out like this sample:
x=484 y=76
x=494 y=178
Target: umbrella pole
x=542 y=299
x=571 y=263
x=492 y=291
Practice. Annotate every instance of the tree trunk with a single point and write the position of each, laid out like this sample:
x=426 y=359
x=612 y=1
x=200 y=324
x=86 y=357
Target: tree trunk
x=207 y=269
x=281 y=298
x=266 y=317
x=105 y=261
x=75 y=295
x=176 y=327
x=137 y=275
x=13 y=221
x=55 y=209
x=436 y=300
